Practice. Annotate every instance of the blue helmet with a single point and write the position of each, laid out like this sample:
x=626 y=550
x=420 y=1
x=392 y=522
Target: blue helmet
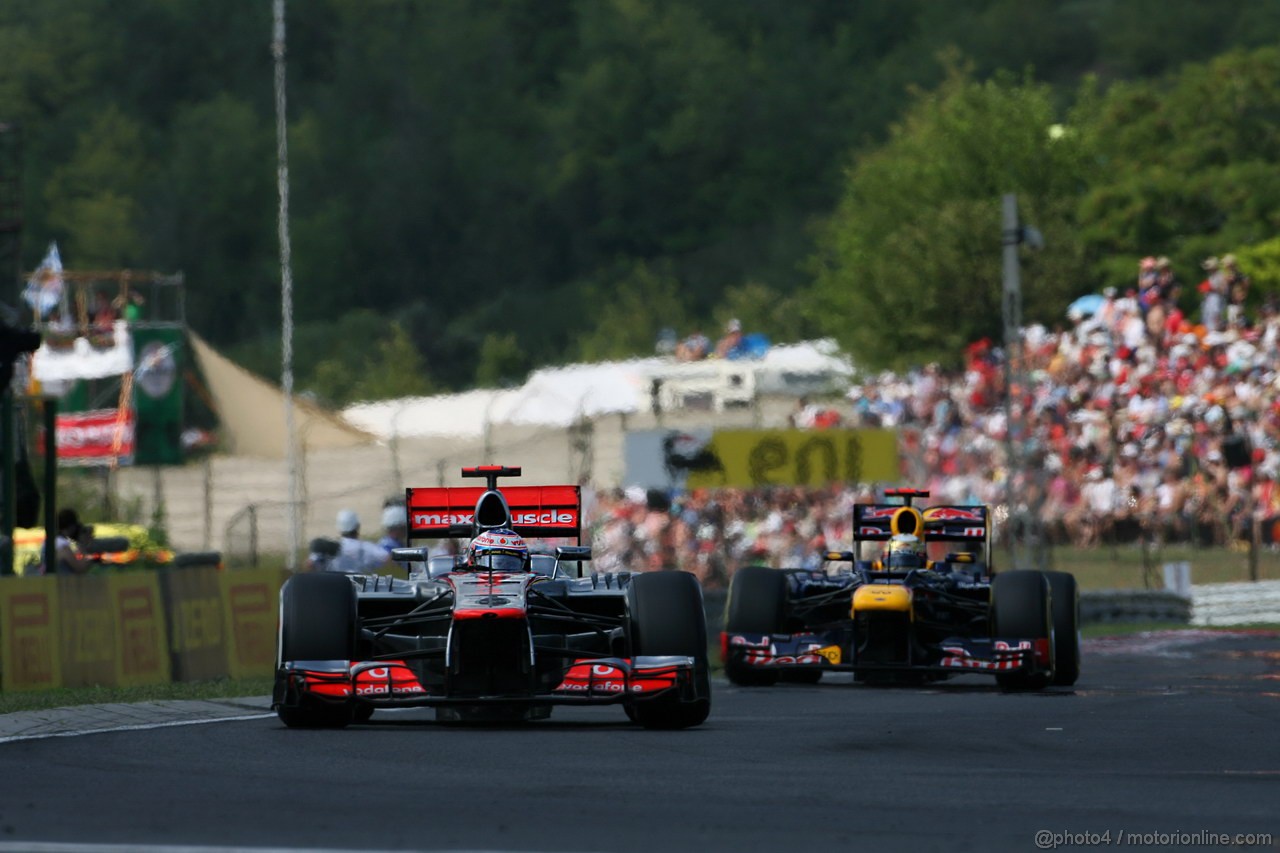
x=499 y=550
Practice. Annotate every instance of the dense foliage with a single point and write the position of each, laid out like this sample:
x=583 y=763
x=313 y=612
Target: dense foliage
x=483 y=186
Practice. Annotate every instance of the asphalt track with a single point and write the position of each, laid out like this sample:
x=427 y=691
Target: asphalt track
x=1171 y=733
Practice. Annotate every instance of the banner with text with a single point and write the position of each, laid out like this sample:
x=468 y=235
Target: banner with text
x=89 y=641
x=29 y=632
x=99 y=437
x=704 y=458
x=252 y=597
x=143 y=652
x=197 y=623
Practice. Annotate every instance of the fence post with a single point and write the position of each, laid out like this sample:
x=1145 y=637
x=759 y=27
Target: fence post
x=253 y=536
x=208 y=503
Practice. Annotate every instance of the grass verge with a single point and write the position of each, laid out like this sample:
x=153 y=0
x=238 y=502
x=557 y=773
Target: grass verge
x=223 y=688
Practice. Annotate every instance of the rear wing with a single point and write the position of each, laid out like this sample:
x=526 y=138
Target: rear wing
x=543 y=512
x=880 y=522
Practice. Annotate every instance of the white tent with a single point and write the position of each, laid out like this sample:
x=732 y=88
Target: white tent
x=559 y=396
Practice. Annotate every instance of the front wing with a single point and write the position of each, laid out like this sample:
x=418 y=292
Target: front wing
x=829 y=651
x=392 y=684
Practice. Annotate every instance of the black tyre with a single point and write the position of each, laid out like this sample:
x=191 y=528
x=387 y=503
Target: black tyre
x=1066 y=628
x=317 y=622
x=757 y=604
x=1021 y=607
x=801 y=676
x=665 y=617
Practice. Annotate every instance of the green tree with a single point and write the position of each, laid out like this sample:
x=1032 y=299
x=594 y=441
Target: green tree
x=630 y=314
x=909 y=268
x=383 y=367
x=1189 y=168
x=91 y=198
x=502 y=362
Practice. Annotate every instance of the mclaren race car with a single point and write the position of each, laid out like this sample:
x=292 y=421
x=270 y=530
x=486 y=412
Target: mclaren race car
x=499 y=637
x=905 y=618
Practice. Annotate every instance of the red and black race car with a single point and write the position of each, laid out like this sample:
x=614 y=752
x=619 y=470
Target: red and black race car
x=905 y=618
x=480 y=644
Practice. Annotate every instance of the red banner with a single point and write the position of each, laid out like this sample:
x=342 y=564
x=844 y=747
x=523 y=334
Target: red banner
x=101 y=437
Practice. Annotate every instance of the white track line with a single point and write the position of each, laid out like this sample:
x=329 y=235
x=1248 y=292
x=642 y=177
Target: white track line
x=137 y=727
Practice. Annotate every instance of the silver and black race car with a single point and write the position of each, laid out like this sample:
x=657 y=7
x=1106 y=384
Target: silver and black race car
x=905 y=618
x=484 y=645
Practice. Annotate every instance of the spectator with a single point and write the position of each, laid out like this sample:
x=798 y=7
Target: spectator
x=1236 y=286
x=395 y=527
x=128 y=305
x=354 y=556
x=104 y=314
x=1212 y=291
x=693 y=348
x=69 y=554
x=727 y=346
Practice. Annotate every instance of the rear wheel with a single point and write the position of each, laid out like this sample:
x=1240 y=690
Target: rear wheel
x=1020 y=608
x=1066 y=628
x=757 y=604
x=317 y=622
x=666 y=617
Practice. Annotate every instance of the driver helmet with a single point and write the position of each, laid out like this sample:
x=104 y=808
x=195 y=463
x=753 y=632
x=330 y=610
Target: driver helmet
x=499 y=550
x=905 y=551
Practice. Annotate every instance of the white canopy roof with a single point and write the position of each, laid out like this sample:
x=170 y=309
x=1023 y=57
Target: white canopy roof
x=559 y=396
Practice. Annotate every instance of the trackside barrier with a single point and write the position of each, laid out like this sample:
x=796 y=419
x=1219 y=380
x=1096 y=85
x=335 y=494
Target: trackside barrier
x=137 y=627
x=1236 y=603
x=1133 y=605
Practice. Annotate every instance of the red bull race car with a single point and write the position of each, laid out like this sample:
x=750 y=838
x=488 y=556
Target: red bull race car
x=905 y=618
x=495 y=634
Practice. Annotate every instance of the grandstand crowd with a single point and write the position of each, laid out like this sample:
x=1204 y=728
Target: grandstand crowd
x=1144 y=417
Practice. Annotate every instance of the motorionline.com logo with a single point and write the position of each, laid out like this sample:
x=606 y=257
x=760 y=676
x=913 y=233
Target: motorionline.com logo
x=1048 y=840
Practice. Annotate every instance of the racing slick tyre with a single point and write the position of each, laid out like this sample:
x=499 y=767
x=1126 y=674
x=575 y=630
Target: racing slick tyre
x=801 y=676
x=665 y=617
x=757 y=604
x=1066 y=628
x=317 y=622
x=1020 y=607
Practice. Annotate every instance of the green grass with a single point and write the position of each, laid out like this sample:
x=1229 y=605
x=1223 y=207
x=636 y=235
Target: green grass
x=1127 y=567
x=223 y=688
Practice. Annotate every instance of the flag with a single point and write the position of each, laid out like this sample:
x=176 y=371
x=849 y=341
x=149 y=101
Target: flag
x=44 y=288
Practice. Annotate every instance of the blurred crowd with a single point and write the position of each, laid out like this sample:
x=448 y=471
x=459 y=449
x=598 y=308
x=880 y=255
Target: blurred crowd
x=1145 y=414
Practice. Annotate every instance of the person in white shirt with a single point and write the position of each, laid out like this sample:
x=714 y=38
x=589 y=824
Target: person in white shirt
x=355 y=556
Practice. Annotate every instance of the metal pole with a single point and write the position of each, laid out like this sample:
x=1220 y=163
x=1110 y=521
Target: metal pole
x=286 y=283
x=8 y=513
x=50 y=484
x=1025 y=494
x=1011 y=305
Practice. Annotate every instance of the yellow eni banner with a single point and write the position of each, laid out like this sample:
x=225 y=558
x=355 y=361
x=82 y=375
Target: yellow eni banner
x=796 y=457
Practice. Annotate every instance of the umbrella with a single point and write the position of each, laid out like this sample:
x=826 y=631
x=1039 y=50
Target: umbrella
x=1086 y=306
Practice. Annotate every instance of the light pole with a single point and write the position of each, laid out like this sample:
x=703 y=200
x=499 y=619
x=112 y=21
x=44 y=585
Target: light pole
x=286 y=283
x=1025 y=499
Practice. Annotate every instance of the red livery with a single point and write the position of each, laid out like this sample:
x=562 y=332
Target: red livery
x=502 y=640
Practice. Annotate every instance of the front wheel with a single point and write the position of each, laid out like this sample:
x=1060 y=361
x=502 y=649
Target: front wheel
x=757 y=604
x=1021 y=608
x=665 y=617
x=317 y=622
